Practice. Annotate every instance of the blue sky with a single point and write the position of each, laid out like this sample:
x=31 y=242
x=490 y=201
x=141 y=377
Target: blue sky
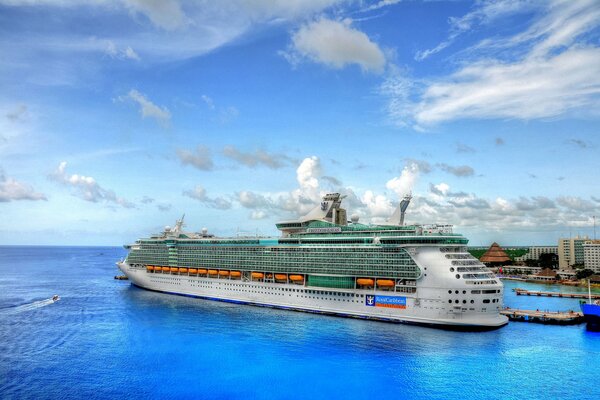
x=118 y=116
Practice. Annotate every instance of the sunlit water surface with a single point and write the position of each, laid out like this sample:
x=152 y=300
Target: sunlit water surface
x=107 y=339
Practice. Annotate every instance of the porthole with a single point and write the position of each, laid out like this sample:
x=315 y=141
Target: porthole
x=456 y=291
x=457 y=276
x=451 y=269
x=464 y=302
x=472 y=301
x=464 y=292
x=449 y=291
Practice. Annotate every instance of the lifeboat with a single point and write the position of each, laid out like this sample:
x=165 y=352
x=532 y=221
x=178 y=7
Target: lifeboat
x=223 y=273
x=174 y=269
x=386 y=283
x=183 y=270
x=193 y=271
x=280 y=277
x=257 y=275
x=213 y=272
x=235 y=274
x=149 y=268
x=364 y=282
x=297 y=278
x=202 y=271
x=166 y=269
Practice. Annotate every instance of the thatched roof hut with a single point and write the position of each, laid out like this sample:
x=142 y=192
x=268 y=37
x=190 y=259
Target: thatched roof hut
x=495 y=255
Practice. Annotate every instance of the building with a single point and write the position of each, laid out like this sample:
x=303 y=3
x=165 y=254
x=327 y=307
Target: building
x=495 y=256
x=534 y=252
x=591 y=255
x=570 y=252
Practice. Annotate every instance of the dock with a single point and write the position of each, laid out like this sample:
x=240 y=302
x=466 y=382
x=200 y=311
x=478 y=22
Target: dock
x=523 y=292
x=543 y=317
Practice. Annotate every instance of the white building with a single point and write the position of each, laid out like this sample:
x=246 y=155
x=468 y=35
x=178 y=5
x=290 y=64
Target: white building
x=570 y=251
x=591 y=255
x=535 y=252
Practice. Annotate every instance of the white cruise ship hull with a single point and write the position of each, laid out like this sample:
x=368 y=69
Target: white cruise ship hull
x=428 y=306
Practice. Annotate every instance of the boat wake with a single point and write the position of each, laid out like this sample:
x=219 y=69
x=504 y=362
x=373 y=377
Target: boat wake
x=31 y=306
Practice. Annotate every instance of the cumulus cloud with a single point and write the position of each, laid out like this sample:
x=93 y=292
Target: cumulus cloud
x=147 y=108
x=460 y=171
x=200 y=159
x=199 y=193
x=441 y=189
x=86 y=187
x=404 y=183
x=13 y=190
x=335 y=44
x=256 y=158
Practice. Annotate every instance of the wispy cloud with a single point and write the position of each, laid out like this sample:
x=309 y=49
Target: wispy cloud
x=257 y=158
x=147 y=108
x=86 y=187
x=199 y=193
x=335 y=44
x=582 y=144
x=553 y=73
x=200 y=159
x=13 y=190
x=460 y=171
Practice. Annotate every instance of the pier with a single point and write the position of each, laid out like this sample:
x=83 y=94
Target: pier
x=523 y=292
x=543 y=317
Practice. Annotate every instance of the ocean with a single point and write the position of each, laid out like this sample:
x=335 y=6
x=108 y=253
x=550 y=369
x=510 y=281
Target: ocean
x=108 y=340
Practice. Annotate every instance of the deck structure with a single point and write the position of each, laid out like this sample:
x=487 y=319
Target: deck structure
x=544 y=317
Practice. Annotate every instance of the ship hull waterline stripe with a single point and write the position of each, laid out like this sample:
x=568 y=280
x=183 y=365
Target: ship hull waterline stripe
x=443 y=326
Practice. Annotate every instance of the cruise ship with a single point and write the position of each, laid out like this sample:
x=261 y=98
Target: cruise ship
x=323 y=263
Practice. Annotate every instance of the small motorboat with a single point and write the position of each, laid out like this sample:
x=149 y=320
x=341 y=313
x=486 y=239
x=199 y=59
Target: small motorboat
x=55 y=298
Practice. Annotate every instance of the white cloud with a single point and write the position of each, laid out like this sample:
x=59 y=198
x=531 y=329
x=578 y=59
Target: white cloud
x=199 y=193
x=336 y=44
x=549 y=70
x=126 y=53
x=403 y=184
x=166 y=14
x=148 y=108
x=18 y=114
x=87 y=188
x=256 y=158
x=484 y=13
x=13 y=190
x=201 y=159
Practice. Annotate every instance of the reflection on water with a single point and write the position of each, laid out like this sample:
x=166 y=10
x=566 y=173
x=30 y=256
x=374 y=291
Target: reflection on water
x=107 y=339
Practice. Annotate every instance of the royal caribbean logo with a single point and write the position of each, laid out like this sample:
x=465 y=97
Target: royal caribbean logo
x=385 y=301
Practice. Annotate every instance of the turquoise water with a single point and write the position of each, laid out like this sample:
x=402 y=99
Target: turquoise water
x=106 y=339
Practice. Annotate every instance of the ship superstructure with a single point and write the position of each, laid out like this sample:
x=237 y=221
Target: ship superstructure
x=324 y=263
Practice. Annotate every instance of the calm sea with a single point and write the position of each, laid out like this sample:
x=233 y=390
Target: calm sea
x=107 y=340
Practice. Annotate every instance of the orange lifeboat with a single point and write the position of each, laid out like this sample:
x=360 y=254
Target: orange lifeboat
x=193 y=271
x=280 y=277
x=213 y=272
x=297 y=278
x=387 y=283
x=183 y=270
x=166 y=269
x=364 y=282
x=202 y=271
x=235 y=274
x=174 y=269
x=257 y=275
x=223 y=273
x=149 y=268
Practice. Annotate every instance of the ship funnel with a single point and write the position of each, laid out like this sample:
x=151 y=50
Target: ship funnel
x=403 y=206
x=397 y=217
